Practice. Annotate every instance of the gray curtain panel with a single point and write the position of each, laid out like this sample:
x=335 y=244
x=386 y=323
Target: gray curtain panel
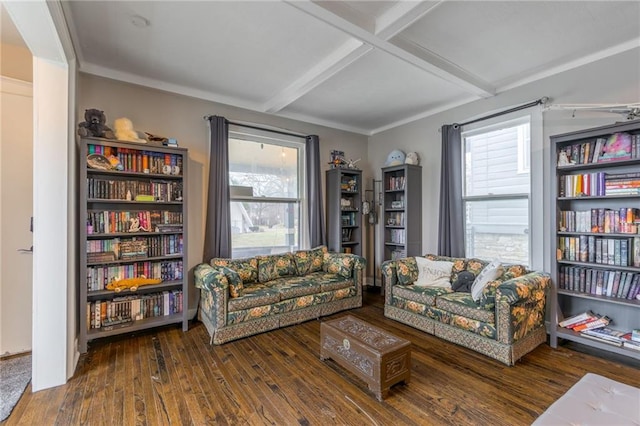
x=451 y=224
x=314 y=193
x=217 y=238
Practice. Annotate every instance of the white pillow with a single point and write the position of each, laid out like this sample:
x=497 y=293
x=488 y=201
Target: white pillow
x=488 y=274
x=433 y=273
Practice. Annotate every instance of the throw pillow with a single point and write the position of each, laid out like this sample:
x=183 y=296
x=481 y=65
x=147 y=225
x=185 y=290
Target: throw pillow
x=275 y=266
x=236 y=287
x=492 y=271
x=433 y=273
x=407 y=270
x=246 y=268
x=338 y=263
x=308 y=261
x=464 y=282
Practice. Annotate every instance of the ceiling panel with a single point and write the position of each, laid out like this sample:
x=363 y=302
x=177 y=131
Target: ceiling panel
x=248 y=50
x=8 y=32
x=375 y=91
x=501 y=42
x=371 y=9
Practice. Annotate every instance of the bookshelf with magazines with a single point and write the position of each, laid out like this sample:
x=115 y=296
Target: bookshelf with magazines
x=133 y=238
x=596 y=247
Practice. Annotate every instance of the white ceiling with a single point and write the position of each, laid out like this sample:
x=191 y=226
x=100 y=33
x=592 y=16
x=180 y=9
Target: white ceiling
x=363 y=66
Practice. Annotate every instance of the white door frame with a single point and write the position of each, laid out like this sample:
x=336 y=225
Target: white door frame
x=43 y=28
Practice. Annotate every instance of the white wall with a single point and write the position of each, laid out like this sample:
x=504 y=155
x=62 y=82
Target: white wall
x=611 y=80
x=16 y=193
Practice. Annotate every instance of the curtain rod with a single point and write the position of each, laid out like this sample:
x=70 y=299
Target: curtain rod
x=542 y=100
x=249 y=126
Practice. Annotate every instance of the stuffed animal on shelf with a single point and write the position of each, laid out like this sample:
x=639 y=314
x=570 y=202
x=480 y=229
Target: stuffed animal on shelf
x=131 y=283
x=412 y=158
x=395 y=158
x=94 y=125
x=124 y=131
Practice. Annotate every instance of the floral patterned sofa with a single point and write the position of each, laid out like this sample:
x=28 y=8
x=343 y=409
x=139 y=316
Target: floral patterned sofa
x=505 y=323
x=242 y=297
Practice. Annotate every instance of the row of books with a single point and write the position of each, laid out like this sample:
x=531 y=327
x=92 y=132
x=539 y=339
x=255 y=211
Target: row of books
x=619 y=146
x=599 y=184
x=398 y=254
x=625 y=220
x=599 y=282
x=99 y=276
x=134 y=160
x=110 y=222
x=134 y=190
x=596 y=327
x=606 y=251
x=105 y=314
x=395 y=219
x=348 y=219
x=396 y=183
x=398 y=236
x=154 y=246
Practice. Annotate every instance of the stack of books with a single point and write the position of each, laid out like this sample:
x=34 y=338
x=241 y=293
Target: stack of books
x=595 y=327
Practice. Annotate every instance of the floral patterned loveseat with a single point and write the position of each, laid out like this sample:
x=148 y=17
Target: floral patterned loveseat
x=242 y=297
x=505 y=323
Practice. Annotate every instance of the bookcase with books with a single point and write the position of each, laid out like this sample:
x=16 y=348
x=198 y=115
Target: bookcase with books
x=344 y=218
x=402 y=203
x=596 y=248
x=132 y=237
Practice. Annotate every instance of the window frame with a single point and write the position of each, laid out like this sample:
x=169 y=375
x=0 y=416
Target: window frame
x=237 y=132
x=536 y=202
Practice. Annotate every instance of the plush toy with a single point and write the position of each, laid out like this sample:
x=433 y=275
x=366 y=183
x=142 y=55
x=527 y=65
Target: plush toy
x=94 y=125
x=124 y=131
x=464 y=282
x=395 y=158
x=412 y=158
x=131 y=283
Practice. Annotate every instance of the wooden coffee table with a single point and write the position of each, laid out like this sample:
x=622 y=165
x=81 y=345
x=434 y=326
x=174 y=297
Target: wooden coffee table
x=374 y=355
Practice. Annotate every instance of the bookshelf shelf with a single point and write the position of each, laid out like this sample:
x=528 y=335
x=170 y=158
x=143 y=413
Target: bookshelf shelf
x=156 y=247
x=344 y=218
x=402 y=206
x=143 y=324
x=595 y=271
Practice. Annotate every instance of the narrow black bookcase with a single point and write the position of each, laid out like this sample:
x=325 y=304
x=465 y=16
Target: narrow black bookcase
x=402 y=211
x=596 y=244
x=133 y=222
x=344 y=218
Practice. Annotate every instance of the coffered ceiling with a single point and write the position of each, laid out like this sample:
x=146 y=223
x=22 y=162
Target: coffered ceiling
x=362 y=66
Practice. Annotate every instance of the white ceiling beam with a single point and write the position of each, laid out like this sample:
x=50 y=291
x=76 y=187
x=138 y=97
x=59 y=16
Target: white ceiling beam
x=329 y=66
x=443 y=70
x=400 y=16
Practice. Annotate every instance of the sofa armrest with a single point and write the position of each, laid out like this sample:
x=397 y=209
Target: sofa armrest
x=520 y=305
x=209 y=278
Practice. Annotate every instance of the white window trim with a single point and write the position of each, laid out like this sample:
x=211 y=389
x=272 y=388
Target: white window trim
x=257 y=135
x=536 y=174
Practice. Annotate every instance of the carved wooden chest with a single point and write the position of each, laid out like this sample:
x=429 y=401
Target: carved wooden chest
x=374 y=355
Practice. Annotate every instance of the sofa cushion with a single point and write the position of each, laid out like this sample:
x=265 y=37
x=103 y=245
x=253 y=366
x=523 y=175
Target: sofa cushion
x=407 y=270
x=459 y=264
x=337 y=263
x=433 y=273
x=247 y=268
x=291 y=287
x=236 y=286
x=476 y=266
x=308 y=261
x=488 y=297
x=421 y=294
x=463 y=304
x=254 y=295
x=275 y=266
x=478 y=327
x=488 y=274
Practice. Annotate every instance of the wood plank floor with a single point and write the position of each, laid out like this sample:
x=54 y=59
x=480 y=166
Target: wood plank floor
x=169 y=377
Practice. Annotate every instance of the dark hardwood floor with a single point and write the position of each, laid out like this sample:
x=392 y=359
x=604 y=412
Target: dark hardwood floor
x=169 y=377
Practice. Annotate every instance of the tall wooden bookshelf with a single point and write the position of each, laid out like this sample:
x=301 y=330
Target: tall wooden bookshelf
x=402 y=211
x=134 y=221
x=344 y=218
x=593 y=214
